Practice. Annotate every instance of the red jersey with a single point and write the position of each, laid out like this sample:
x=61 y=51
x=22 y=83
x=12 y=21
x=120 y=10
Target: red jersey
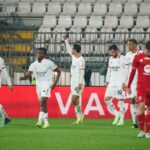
x=142 y=64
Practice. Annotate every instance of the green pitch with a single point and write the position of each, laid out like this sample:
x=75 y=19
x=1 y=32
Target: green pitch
x=21 y=134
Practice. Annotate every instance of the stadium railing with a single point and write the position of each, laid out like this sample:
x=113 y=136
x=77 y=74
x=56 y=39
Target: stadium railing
x=18 y=48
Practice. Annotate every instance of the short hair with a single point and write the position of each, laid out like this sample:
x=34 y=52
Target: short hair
x=147 y=45
x=42 y=49
x=77 y=47
x=134 y=41
x=113 y=47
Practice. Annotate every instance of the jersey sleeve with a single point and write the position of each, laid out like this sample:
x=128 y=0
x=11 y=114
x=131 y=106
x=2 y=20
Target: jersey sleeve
x=31 y=68
x=53 y=65
x=82 y=64
x=135 y=62
x=2 y=64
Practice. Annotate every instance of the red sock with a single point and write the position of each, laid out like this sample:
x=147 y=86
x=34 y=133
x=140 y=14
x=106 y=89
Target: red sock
x=141 y=121
x=147 y=119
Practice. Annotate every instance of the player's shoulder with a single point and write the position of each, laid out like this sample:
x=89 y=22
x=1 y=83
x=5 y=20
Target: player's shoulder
x=139 y=55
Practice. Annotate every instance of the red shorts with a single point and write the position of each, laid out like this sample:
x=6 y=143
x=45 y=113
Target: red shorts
x=143 y=96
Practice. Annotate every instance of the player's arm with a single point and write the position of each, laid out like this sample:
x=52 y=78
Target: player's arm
x=68 y=47
x=6 y=75
x=108 y=75
x=26 y=76
x=58 y=72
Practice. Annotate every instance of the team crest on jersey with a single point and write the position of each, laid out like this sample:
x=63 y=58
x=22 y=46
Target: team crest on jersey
x=147 y=68
x=141 y=60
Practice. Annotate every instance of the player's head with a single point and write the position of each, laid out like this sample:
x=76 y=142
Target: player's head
x=76 y=49
x=147 y=49
x=132 y=44
x=113 y=51
x=41 y=53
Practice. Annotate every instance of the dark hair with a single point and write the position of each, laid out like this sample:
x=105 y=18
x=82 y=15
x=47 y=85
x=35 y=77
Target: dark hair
x=147 y=45
x=77 y=47
x=42 y=49
x=113 y=47
x=134 y=41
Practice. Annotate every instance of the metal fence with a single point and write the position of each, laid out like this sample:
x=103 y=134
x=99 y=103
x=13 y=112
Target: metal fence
x=18 y=50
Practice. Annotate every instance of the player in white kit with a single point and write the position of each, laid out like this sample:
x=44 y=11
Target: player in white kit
x=116 y=78
x=77 y=77
x=4 y=72
x=133 y=51
x=43 y=69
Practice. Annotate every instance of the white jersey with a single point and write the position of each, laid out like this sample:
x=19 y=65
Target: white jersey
x=130 y=57
x=116 y=71
x=43 y=71
x=2 y=65
x=76 y=66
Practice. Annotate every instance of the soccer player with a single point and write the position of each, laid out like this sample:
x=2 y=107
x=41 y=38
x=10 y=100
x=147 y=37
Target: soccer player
x=115 y=79
x=141 y=64
x=43 y=69
x=3 y=71
x=133 y=51
x=77 y=77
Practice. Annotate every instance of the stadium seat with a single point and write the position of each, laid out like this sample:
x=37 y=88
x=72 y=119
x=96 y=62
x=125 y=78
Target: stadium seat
x=49 y=21
x=90 y=1
x=61 y=32
x=43 y=34
x=126 y=21
x=39 y=8
x=139 y=36
x=11 y=1
x=25 y=35
x=80 y=22
x=95 y=22
x=100 y=9
x=74 y=1
x=146 y=1
x=24 y=7
x=111 y=22
x=123 y=34
x=143 y=22
x=144 y=9
x=130 y=9
x=69 y=9
x=135 y=1
x=147 y=35
x=115 y=9
x=84 y=9
x=42 y=0
x=65 y=21
x=119 y=1
x=91 y=37
x=27 y=0
x=108 y=36
x=10 y=8
x=76 y=36
x=54 y=8
x=107 y=1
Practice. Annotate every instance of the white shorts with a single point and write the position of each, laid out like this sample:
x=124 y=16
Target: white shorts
x=74 y=90
x=43 y=90
x=115 y=92
x=133 y=91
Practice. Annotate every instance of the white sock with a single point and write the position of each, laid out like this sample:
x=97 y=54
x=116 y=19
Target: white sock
x=1 y=107
x=121 y=109
x=45 y=117
x=133 y=112
x=111 y=107
x=78 y=111
x=41 y=116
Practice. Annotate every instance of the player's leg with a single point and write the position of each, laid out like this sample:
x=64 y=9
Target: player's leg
x=78 y=111
x=110 y=93
x=43 y=108
x=141 y=119
x=7 y=118
x=121 y=112
x=133 y=108
x=147 y=117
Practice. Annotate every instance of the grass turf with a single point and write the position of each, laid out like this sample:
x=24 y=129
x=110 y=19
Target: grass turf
x=21 y=134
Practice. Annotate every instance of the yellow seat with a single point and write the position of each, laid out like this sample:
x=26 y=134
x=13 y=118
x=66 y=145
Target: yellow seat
x=26 y=35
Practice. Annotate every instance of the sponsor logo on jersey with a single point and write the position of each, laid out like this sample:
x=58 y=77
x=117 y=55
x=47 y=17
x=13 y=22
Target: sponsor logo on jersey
x=147 y=69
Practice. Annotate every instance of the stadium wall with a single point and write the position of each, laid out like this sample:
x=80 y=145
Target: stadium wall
x=23 y=102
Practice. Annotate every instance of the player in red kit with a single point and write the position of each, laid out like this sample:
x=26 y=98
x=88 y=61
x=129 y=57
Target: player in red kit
x=141 y=63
